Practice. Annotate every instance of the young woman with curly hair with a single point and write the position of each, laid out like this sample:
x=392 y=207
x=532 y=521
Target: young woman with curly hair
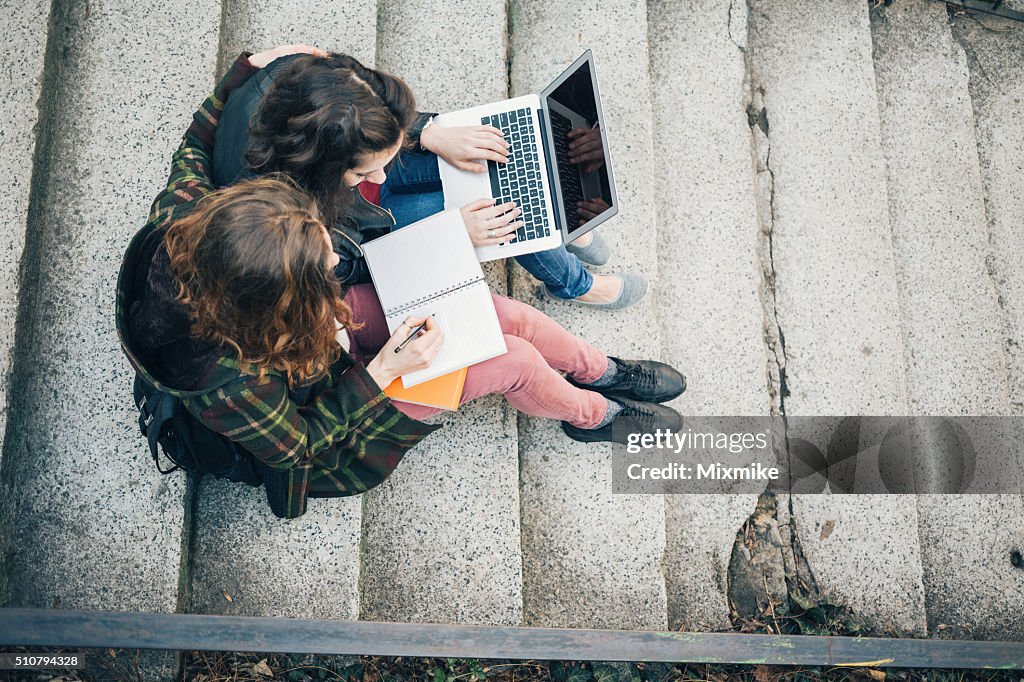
x=239 y=309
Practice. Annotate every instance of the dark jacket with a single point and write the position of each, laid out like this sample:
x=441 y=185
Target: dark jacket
x=338 y=436
x=363 y=222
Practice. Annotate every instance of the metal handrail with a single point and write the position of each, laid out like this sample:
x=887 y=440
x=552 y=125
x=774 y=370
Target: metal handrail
x=193 y=632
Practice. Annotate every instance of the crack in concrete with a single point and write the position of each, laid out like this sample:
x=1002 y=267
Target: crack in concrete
x=799 y=576
x=757 y=556
x=742 y=46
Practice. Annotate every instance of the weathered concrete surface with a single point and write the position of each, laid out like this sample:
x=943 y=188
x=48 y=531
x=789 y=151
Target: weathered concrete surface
x=299 y=568
x=709 y=273
x=442 y=533
x=836 y=307
x=995 y=57
x=25 y=29
x=311 y=565
x=95 y=526
x=441 y=536
x=591 y=558
x=971 y=583
x=255 y=25
x=952 y=320
x=452 y=54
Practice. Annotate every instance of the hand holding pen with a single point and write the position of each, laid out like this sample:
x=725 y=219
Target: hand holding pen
x=413 y=346
x=413 y=334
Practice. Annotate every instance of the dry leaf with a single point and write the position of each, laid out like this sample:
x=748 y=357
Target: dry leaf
x=876 y=674
x=113 y=654
x=227 y=596
x=942 y=626
x=262 y=669
x=827 y=529
x=762 y=673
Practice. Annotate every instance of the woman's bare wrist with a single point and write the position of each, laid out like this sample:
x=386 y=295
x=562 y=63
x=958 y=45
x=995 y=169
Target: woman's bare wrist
x=382 y=376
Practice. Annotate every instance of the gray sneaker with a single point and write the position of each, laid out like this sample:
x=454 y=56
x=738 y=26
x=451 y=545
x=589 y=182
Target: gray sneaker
x=634 y=288
x=594 y=253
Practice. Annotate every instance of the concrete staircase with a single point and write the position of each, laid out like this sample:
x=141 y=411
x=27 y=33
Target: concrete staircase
x=829 y=208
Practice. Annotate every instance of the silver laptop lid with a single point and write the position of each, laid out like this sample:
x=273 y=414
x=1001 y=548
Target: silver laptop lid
x=573 y=116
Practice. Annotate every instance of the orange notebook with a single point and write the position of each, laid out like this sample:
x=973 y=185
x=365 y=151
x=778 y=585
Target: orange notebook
x=445 y=391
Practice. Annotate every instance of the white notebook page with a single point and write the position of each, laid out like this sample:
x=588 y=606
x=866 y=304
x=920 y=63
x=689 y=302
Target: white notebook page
x=430 y=267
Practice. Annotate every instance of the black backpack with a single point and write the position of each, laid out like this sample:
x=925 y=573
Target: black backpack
x=163 y=420
x=185 y=441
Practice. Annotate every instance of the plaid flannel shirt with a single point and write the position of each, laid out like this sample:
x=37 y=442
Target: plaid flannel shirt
x=345 y=438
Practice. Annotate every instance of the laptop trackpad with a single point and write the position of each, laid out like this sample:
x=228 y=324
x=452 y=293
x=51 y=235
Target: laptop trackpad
x=462 y=187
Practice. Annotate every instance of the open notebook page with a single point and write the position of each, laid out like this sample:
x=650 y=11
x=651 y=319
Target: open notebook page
x=430 y=267
x=422 y=259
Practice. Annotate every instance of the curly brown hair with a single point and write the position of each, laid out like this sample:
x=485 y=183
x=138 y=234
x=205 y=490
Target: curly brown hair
x=321 y=117
x=252 y=263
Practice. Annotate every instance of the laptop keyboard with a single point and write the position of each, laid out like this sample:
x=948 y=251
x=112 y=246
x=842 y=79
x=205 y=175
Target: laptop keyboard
x=572 y=190
x=520 y=180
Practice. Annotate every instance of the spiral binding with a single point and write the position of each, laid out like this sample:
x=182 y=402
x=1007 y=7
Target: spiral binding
x=398 y=310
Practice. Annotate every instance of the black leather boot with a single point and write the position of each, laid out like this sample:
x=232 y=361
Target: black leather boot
x=645 y=380
x=635 y=417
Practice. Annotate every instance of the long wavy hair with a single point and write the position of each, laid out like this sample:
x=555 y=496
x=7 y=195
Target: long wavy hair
x=321 y=117
x=252 y=263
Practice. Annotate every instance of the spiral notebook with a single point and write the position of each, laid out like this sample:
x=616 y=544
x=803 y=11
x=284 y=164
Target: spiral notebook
x=431 y=268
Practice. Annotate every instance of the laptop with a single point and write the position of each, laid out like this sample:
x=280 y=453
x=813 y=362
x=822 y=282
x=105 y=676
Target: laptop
x=539 y=177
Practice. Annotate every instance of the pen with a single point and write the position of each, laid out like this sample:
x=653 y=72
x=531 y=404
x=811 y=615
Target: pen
x=413 y=335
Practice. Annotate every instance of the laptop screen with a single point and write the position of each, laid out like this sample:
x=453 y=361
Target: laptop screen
x=587 y=193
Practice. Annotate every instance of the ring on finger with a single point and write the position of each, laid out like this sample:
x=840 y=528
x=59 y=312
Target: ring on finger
x=490 y=234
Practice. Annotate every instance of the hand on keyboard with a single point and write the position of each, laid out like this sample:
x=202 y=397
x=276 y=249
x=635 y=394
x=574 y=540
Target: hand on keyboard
x=489 y=225
x=465 y=146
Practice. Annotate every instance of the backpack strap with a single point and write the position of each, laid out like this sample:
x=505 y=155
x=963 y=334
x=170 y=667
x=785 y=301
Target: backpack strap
x=155 y=409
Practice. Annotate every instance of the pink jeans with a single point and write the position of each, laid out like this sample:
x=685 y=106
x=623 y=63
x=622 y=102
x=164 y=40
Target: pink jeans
x=526 y=375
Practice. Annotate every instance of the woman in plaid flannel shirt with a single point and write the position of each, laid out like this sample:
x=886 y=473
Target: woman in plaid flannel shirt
x=239 y=270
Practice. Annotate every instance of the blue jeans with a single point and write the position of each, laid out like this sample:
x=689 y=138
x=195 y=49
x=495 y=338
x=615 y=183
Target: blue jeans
x=412 y=192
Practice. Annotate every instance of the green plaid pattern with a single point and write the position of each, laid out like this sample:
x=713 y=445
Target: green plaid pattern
x=346 y=438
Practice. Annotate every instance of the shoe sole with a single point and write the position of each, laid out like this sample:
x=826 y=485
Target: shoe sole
x=579 y=435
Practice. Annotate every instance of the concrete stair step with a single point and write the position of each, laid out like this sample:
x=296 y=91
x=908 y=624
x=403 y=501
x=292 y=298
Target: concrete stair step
x=948 y=306
x=26 y=25
x=836 y=306
x=255 y=25
x=995 y=55
x=89 y=510
x=247 y=562
x=883 y=284
x=93 y=526
x=442 y=534
x=708 y=273
x=591 y=558
x=952 y=320
x=272 y=567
